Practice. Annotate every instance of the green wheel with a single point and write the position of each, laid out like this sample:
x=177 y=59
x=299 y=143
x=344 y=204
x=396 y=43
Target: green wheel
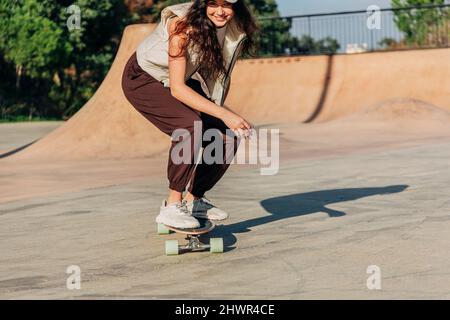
x=162 y=229
x=216 y=245
x=172 y=247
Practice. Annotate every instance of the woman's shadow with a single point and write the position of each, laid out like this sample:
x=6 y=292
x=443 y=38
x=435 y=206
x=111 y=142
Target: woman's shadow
x=299 y=204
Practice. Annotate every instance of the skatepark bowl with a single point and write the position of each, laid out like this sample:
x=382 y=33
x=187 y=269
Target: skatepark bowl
x=361 y=191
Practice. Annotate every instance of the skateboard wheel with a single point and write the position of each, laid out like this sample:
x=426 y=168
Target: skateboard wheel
x=162 y=229
x=216 y=245
x=172 y=247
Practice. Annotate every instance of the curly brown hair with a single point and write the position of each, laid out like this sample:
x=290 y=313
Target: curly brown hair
x=202 y=35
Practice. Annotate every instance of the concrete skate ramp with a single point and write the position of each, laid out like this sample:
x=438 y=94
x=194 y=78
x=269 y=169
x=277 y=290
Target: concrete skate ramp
x=316 y=89
x=107 y=127
x=400 y=111
x=323 y=88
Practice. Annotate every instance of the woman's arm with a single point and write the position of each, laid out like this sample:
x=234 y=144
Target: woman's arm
x=183 y=93
x=178 y=88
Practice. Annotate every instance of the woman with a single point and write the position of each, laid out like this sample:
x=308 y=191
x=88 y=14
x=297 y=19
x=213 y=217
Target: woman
x=178 y=78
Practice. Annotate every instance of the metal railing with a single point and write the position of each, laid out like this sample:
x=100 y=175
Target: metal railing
x=374 y=29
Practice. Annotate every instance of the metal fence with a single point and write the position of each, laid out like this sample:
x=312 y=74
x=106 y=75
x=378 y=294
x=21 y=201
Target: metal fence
x=356 y=31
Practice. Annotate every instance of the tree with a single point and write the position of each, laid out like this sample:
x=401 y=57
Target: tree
x=29 y=41
x=306 y=45
x=140 y=9
x=56 y=68
x=423 y=26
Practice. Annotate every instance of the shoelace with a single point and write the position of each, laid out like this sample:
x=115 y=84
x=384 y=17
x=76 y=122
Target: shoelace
x=183 y=208
x=207 y=201
x=202 y=201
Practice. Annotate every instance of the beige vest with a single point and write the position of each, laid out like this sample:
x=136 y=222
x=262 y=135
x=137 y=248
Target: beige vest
x=153 y=57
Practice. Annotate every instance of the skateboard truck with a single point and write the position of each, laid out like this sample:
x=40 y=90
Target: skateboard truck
x=193 y=237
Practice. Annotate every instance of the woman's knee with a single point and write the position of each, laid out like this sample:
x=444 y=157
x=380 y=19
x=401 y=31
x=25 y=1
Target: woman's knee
x=188 y=125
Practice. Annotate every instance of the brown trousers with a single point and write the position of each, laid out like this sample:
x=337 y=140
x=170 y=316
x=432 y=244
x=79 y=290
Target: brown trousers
x=157 y=105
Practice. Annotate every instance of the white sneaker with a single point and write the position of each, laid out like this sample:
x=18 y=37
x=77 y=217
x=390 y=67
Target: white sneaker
x=204 y=209
x=176 y=215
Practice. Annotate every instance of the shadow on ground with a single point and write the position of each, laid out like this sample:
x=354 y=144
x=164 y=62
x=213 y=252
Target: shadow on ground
x=11 y=152
x=300 y=204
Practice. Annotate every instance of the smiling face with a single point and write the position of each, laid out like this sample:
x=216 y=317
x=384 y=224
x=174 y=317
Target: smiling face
x=220 y=12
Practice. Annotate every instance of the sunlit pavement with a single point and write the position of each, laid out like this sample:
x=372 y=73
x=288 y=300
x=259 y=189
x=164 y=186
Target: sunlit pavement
x=311 y=231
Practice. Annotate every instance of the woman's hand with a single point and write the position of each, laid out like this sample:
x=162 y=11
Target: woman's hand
x=237 y=124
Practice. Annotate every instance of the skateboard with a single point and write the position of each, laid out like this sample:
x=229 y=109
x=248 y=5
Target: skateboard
x=192 y=236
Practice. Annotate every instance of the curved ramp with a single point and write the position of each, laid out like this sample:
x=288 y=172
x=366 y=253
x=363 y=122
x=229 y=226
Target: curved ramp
x=323 y=88
x=107 y=127
x=278 y=90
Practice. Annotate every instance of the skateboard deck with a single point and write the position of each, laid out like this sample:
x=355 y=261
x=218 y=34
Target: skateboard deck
x=205 y=227
x=192 y=236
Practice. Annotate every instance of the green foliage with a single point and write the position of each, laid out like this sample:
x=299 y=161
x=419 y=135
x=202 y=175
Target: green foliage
x=159 y=5
x=306 y=45
x=49 y=68
x=29 y=39
x=26 y=119
x=422 y=26
x=389 y=43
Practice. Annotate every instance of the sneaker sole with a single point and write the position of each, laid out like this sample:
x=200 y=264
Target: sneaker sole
x=209 y=218
x=173 y=225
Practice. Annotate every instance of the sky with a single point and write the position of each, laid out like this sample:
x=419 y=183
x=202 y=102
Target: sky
x=348 y=30
x=328 y=26
x=300 y=7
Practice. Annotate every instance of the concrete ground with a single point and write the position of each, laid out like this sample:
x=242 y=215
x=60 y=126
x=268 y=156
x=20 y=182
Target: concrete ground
x=15 y=135
x=309 y=232
x=363 y=187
